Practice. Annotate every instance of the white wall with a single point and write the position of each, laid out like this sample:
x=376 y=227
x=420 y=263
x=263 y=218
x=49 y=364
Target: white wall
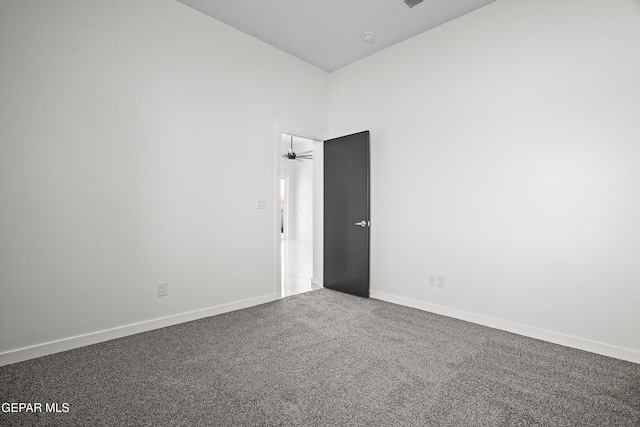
x=304 y=194
x=288 y=170
x=135 y=138
x=506 y=156
x=300 y=175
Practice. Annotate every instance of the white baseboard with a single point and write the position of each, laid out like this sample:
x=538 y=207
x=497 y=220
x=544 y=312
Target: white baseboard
x=44 y=349
x=517 y=328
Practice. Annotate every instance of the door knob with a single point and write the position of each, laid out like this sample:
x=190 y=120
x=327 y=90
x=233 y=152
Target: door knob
x=362 y=223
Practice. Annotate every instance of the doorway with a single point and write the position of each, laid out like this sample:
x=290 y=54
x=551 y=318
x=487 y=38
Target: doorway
x=296 y=214
x=283 y=133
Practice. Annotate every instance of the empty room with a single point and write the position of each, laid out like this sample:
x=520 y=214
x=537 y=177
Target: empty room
x=471 y=226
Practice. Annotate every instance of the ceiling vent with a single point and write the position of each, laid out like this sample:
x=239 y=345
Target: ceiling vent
x=410 y=4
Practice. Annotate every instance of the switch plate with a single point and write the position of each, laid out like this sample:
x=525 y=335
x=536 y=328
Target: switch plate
x=433 y=279
x=163 y=289
x=261 y=203
x=442 y=282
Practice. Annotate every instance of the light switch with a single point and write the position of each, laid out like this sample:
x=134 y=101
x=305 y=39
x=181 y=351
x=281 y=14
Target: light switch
x=261 y=203
x=433 y=279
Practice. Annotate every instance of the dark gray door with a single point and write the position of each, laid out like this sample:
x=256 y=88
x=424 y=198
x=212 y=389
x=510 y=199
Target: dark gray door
x=346 y=214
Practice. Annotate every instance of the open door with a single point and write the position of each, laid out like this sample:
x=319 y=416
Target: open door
x=346 y=214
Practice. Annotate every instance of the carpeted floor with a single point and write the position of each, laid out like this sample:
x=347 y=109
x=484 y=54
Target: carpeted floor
x=325 y=358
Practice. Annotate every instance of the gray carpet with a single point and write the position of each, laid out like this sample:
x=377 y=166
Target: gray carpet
x=326 y=359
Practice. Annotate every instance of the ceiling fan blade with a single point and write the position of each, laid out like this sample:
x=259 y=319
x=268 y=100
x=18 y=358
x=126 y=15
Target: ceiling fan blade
x=305 y=152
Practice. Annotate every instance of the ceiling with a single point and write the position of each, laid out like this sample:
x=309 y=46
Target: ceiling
x=329 y=33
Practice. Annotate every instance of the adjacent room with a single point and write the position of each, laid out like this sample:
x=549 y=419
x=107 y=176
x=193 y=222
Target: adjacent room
x=296 y=215
x=150 y=209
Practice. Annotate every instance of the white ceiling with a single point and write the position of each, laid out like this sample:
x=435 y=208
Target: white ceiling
x=328 y=33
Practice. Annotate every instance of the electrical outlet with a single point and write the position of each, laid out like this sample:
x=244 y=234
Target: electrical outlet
x=163 y=289
x=442 y=282
x=433 y=279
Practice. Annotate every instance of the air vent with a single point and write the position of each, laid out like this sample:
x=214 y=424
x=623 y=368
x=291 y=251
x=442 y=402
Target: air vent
x=411 y=3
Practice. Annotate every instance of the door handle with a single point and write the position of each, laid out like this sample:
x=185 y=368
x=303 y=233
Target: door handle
x=363 y=223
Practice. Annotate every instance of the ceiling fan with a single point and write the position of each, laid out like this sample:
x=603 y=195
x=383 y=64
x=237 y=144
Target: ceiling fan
x=303 y=155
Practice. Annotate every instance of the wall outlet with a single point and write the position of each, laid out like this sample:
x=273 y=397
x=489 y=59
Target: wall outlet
x=442 y=282
x=433 y=279
x=163 y=289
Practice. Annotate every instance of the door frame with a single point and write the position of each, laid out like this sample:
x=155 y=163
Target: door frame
x=318 y=138
x=284 y=188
